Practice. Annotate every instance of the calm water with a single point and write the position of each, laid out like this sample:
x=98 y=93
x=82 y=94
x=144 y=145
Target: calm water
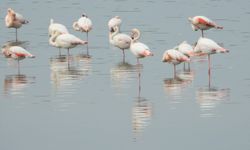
x=95 y=103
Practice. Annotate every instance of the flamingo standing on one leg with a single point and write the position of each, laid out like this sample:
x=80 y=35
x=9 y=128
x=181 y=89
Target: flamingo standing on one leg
x=56 y=27
x=84 y=24
x=175 y=57
x=66 y=41
x=202 y=23
x=14 y=20
x=120 y=40
x=208 y=46
x=16 y=52
x=187 y=50
x=140 y=50
x=115 y=21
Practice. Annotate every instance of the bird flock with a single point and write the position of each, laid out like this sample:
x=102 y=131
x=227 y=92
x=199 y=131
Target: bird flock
x=60 y=37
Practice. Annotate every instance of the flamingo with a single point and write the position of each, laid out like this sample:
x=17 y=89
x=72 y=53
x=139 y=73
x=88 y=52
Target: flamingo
x=84 y=24
x=208 y=47
x=56 y=27
x=140 y=50
x=186 y=49
x=175 y=57
x=115 y=21
x=16 y=52
x=202 y=23
x=120 y=40
x=53 y=27
x=66 y=40
x=14 y=20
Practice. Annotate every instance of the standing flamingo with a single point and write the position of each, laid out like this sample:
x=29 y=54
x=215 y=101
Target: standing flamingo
x=14 y=20
x=120 y=40
x=66 y=40
x=140 y=50
x=57 y=27
x=175 y=57
x=202 y=23
x=84 y=24
x=16 y=52
x=186 y=49
x=115 y=21
x=208 y=47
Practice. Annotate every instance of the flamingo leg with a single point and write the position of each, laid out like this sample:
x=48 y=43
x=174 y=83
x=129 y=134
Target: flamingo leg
x=209 y=65
x=139 y=81
x=202 y=34
x=138 y=61
x=123 y=55
x=188 y=66
x=16 y=34
x=87 y=34
x=174 y=70
x=18 y=65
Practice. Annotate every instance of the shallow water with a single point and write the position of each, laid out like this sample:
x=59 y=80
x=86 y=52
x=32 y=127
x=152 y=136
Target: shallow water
x=61 y=103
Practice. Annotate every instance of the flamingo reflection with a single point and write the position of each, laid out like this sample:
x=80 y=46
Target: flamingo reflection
x=65 y=72
x=15 y=84
x=174 y=87
x=141 y=111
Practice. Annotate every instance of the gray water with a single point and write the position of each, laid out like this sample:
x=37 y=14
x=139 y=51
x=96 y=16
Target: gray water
x=95 y=103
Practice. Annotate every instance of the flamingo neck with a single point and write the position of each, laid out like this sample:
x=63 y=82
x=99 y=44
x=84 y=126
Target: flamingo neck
x=137 y=36
x=52 y=40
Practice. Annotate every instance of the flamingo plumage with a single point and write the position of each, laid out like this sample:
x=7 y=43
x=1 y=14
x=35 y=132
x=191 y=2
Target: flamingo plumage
x=14 y=20
x=207 y=46
x=140 y=50
x=115 y=21
x=66 y=41
x=84 y=24
x=174 y=57
x=17 y=53
x=202 y=23
x=120 y=40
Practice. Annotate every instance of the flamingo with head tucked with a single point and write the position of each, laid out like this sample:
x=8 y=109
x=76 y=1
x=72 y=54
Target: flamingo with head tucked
x=202 y=23
x=16 y=52
x=174 y=57
x=120 y=40
x=84 y=24
x=140 y=50
x=208 y=47
x=115 y=21
x=186 y=49
x=14 y=20
x=66 y=41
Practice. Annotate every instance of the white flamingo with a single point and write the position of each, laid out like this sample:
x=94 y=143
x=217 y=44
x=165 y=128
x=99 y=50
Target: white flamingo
x=84 y=24
x=16 y=52
x=56 y=27
x=119 y=40
x=140 y=50
x=115 y=21
x=208 y=47
x=186 y=49
x=14 y=20
x=174 y=57
x=202 y=23
x=66 y=41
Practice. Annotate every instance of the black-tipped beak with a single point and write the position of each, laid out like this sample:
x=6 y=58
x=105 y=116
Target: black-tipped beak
x=112 y=29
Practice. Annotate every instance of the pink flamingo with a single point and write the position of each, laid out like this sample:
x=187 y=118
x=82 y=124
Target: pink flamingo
x=56 y=27
x=140 y=50
x=186 y=49
x=175 y=57
x=16 y=52
x=14 y=20
x=84 y=24
x=66 y=40
x=207 y=46
x=115 y=21
x=202 y=23
x=119 y=40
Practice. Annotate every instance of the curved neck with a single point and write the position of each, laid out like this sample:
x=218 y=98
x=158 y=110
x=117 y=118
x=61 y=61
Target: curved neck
x=112 y=34
x=52 y=40
x=136 y=36
x=75 y=26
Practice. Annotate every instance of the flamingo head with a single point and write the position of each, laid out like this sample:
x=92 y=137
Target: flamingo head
x=84 y=15
x=190 y=19
x=135 y=34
